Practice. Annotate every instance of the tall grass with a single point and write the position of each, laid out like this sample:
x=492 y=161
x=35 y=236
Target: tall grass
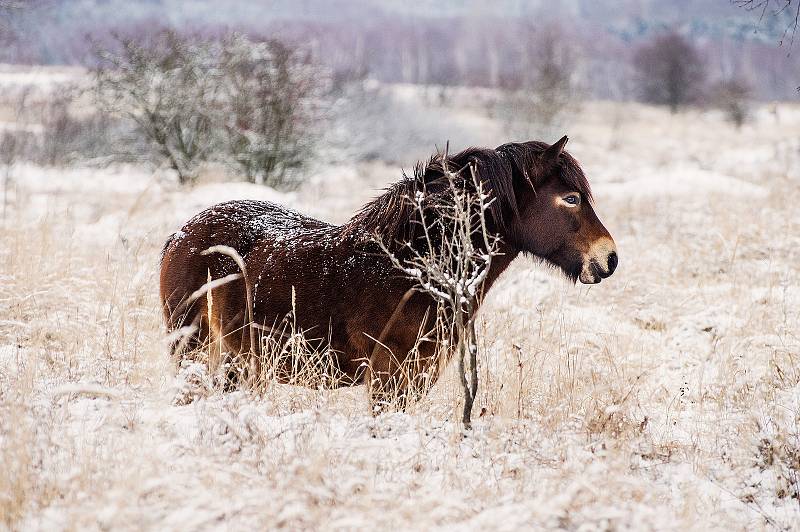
x=665 y=397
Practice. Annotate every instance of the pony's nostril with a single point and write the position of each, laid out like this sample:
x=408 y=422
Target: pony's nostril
x=612 y=262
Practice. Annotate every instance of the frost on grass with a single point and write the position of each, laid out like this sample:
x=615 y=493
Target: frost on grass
x=192 y=382
x=664 y=398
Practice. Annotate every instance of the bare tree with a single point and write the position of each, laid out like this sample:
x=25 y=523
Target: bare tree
x=229 y=100
x=167 y=87
x=546 y=87
x=733 y=98
x=269 y=91
x=671 y=71
x=452 y=266
x=12 y=145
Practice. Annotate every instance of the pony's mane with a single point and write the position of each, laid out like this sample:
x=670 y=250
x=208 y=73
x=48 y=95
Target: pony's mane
x=393 y=217
x=527 y=156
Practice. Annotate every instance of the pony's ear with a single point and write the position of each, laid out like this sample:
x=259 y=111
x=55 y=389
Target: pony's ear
x=551 y=154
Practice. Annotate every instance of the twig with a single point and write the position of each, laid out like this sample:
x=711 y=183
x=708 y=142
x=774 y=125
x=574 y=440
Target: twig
x=450 y=263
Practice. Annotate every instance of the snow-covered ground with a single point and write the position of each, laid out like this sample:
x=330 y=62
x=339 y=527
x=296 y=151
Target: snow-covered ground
x=667 y=397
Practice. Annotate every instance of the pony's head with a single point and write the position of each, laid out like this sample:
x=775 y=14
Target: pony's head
x=544 y=208
x=542 y=205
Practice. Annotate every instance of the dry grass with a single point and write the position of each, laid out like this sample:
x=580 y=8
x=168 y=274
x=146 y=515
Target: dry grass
x=666 y=397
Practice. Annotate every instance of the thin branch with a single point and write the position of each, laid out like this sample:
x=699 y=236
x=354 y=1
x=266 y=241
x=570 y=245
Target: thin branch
x=781 y=7
x=451 y=261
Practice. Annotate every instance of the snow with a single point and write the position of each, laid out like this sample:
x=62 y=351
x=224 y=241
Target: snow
x=41 y=77
x=682 y=180
x=664 y=398
x=204 y=196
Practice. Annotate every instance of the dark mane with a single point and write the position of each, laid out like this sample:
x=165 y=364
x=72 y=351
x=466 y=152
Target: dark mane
x=526 y=156
x=392 y=215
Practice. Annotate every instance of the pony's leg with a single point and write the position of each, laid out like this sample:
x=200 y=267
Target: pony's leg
x=187 y=345
x=242 y=366
x=231 y=359
x=250 y=357
x=387 y=378
x=398 y=382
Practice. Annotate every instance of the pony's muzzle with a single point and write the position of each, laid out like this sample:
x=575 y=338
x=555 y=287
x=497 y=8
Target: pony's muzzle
x=599 y=264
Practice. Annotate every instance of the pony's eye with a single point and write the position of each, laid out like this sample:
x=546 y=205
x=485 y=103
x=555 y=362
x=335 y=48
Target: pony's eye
x=572 y=199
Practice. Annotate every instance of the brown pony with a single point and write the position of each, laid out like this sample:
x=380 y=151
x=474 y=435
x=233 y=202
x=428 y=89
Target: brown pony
x=337 y=284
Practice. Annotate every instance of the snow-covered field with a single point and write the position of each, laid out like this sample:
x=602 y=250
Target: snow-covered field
x=667 y=397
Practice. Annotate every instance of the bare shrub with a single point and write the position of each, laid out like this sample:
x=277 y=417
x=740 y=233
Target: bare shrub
x=733 y=98
x=534 y=103
x=229 y=100
x=268 y=90
x=452 y=267
x=165 y=84
x=671 y=71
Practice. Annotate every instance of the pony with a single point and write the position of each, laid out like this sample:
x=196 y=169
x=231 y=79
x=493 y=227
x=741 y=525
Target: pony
x=337 y=284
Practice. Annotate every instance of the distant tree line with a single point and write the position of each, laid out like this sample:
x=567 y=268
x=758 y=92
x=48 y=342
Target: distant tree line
x=178 y=100
x=484 y=49
x=255 y=104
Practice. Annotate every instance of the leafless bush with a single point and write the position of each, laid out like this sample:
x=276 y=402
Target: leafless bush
x=68 y=135
x=9 y=150
x=452 y=266
x=534 y=102
x=733 y=98
x=229 y=100
x=671 y=71
x=12 y=147
x=268 y=94
x=167 y=87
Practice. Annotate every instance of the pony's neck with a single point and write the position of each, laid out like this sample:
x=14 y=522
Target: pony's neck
x=499 y=265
